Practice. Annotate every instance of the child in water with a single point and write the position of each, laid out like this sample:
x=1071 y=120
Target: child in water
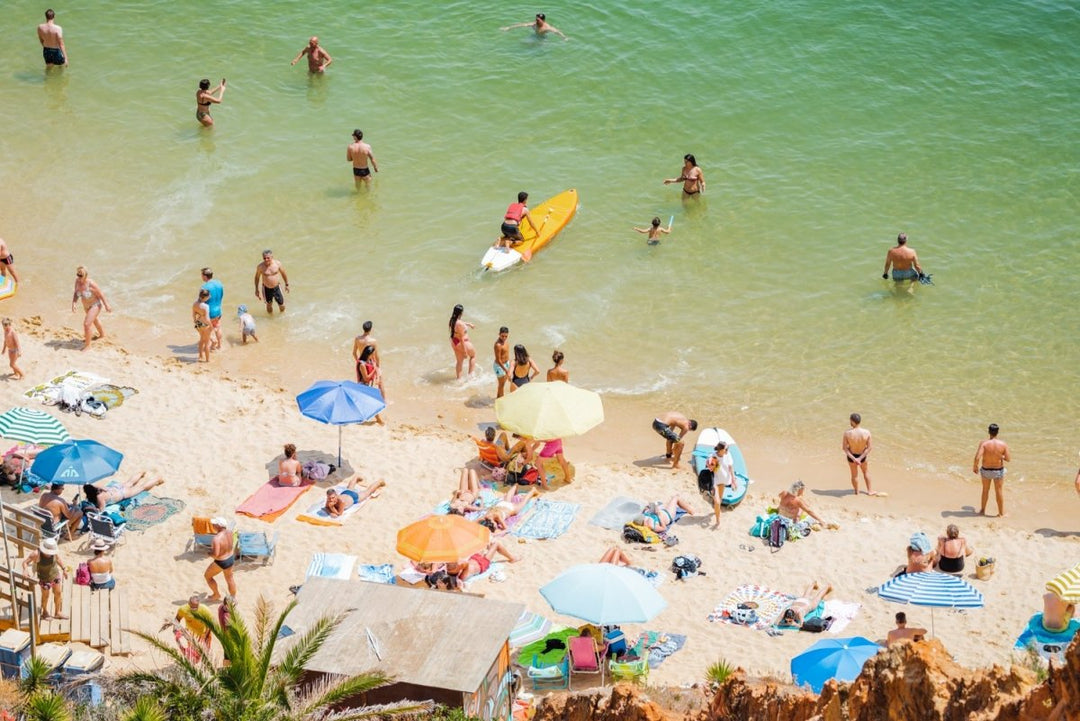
x=654 y=231
x=12 y=348
x=247 y=324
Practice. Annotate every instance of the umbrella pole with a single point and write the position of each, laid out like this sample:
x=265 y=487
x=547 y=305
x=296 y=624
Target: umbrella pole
x=339 y=429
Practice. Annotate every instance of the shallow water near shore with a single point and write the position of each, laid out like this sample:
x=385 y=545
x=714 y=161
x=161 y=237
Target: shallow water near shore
x=823 y=130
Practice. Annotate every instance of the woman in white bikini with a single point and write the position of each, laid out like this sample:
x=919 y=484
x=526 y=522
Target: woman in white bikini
x=290 y=471
x=117 y=491
x=93 y=301
x=200 y=313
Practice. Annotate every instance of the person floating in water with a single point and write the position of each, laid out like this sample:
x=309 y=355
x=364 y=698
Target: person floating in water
x=540 y=25
x=654 y=231
x=904 y=262
x=692 y=177
x=318 y=59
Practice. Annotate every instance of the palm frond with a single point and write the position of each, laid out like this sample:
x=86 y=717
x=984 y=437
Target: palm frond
x=305 y=647
x=266 y=647
x=330 y=691
x=200 y=677
x=380 y=711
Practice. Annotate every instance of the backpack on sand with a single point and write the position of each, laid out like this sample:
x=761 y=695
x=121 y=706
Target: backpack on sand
x=636 y=533
x=686 y=566
x=777 y=534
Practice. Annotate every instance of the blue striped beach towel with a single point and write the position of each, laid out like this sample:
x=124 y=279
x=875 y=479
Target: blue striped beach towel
x=549 y=519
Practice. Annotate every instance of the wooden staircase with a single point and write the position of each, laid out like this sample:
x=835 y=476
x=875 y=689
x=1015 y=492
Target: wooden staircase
x=97 y=618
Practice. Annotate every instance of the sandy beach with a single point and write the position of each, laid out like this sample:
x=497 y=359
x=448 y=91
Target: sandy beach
x=215 y=434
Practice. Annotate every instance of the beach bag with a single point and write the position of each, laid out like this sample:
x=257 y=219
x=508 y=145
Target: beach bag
x=70 y=399
x=777 y=534
x=686 y=567
x=316 y=470
x=814 y=625
x=636 y=533
x=82 y=574
x=760 y=529
x=529 y=476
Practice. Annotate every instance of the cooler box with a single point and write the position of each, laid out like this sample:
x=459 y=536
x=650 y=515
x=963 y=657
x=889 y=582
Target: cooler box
x=14 y=649
x=54 y=654
x=80 y=663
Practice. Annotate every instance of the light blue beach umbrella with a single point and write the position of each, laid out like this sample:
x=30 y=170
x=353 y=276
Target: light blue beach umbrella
x=32 y=426
x=340 y=403
x=936 y=590
x=839 y=658
x=76 y=462
x=603 y=594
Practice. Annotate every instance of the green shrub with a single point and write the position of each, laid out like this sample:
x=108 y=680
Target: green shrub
x=718 y=672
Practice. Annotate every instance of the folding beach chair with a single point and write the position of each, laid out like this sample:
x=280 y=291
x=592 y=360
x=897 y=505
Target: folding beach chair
x=584 y=657
x=253 y=545
x=202 y=533
x=549 y=676
x=636 y=671
x=49 y=527
x=101 y=526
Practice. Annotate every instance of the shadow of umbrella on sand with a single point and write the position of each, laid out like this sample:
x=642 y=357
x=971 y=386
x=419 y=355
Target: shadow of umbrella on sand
x=344 y=470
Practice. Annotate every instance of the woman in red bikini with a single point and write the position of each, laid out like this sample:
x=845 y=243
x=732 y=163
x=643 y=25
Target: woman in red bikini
x=459 y=341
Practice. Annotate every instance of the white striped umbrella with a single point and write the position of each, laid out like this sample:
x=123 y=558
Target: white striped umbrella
x=936 y=590
x=1066 y=585
x=32 y=426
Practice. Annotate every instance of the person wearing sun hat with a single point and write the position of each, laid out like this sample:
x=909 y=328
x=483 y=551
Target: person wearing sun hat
x=51 y=573
x=101 y=578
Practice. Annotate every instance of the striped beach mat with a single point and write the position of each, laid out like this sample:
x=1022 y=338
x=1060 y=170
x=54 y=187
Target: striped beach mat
x=549 y=519
x=939 y=590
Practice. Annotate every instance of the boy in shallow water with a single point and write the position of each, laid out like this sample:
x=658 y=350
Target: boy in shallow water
x=654 y=231
x=247 y=324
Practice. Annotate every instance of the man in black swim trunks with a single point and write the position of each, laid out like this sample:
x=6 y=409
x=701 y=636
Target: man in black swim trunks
x=672 y=427
x=359 y=153
x=692 y=178
x=269 y=277
x=223 y=553
x=51 y=37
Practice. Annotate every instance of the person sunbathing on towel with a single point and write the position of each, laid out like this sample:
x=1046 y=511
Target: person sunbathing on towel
x=338 y=503
x=117 y=491
x=660 y=516
x=804 y=604
x=466 y=497
x=495 y=518
x=479 y=563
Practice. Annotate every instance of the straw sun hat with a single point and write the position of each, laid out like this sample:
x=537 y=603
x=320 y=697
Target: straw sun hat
x=49 y=547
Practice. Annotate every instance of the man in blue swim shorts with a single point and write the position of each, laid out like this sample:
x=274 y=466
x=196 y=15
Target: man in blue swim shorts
x=903 y=260
x=672 y=427
x=338 y=503
x=501 y=366
x=51 y=37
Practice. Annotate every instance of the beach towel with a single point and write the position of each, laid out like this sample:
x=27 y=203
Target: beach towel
x=150 y=510
x=383 y=573
x=616 y=513
x=271 y=500
x=657 y=646
x=80 y=381
x=842 y=613
x=548 y=519
x=817 y=612
x=316 y=514
x=488 y=498
x=552 y=656
x=1048 y=644
x=655 y=578
x=767 y=605
x=112 y=396
x=331 y=565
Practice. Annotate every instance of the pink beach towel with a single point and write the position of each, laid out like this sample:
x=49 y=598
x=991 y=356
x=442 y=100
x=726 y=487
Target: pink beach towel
x=272 y=499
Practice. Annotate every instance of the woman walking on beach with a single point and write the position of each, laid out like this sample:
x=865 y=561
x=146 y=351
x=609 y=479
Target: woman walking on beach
x=200 y=313
x=459 y=340
x=524 y=369
x=367 y=372
x=204 y=98
x=558 y=373
x=93 y=301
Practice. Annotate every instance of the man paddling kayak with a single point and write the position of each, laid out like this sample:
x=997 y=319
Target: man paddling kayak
x=511 y=225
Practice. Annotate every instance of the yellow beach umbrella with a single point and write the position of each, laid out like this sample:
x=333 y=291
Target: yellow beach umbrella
x=442 y=539
x=549 y=410
x=1066 y=585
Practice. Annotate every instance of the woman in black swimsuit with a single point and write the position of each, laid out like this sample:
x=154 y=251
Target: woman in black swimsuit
x=204 y=98
x=524 y=369
x=951 y=550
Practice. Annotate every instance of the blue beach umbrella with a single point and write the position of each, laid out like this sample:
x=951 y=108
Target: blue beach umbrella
x=936 y=590
x=603 y=594
x=76 y=462
x=839 y=658
x=340 y=403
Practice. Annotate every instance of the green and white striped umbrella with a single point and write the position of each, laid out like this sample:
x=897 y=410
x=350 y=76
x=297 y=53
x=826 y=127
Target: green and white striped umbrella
x=32 y=426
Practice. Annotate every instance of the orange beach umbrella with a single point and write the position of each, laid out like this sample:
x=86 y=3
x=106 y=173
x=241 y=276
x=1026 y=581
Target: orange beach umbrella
x=442 y=539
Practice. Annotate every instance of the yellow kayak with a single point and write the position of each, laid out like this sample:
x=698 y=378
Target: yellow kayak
x=552 y=216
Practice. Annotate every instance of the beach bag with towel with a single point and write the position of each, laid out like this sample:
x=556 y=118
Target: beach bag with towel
x=70 y=399
x=637 y=533
x=686 y=566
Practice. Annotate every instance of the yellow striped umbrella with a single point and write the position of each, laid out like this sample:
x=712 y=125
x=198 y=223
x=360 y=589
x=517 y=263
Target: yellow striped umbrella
x=442 y=539
x=1066 y=585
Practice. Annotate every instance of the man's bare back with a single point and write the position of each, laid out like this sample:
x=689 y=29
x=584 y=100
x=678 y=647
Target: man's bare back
x=856 y=440
x=994 y=453
x=902 y=257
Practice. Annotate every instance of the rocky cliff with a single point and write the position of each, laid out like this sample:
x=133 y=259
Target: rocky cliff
x=910 y=682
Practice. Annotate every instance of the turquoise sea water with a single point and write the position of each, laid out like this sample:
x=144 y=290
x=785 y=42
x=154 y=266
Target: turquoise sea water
x=824 y=128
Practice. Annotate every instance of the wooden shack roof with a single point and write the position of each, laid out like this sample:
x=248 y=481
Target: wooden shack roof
x=428 y=638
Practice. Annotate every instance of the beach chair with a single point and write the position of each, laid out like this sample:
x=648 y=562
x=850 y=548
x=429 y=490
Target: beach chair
x=549 y=676
x=49 y=527
x=202 y=533
x=585 y=657
x=101 y=526
x=254 y=545
x=636 y=671
x=488 y=454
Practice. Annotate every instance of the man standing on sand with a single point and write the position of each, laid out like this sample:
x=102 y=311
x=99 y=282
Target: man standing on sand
x=217 y=294
x=318 y=59
x=692 y=178
x=672 y=427
x=903 y=260
x=502 y=360
x=359 y=153
x=7 y=262
x=223 y=555
x=269 y=276
x=857 y=445
x=990 y=460
x=51 y=36
x=902 y=632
